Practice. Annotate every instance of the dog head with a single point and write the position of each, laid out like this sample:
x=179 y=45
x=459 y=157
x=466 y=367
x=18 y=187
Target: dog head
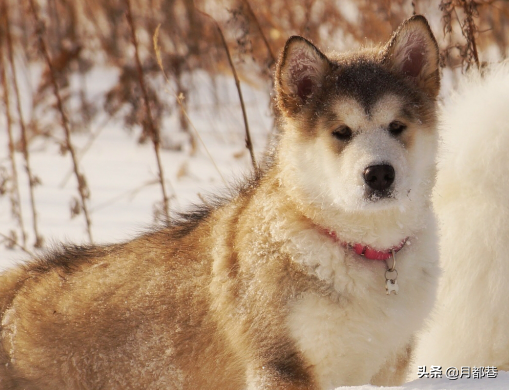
x=359 y=129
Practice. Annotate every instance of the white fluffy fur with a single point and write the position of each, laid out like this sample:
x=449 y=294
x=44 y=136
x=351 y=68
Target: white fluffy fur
x=365 y=325
x=471 y=320
x=333 y=182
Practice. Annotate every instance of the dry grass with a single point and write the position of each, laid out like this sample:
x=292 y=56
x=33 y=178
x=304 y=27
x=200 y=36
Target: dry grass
x=80 y=205
x=471 y=26
x=14 y=193
x=32 y=180
x=147 y=119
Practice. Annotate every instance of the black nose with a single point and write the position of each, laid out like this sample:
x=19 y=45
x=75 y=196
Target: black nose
x=379 y=177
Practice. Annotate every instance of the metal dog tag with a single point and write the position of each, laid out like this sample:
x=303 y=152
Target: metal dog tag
x=391 y=276
x=391 y=285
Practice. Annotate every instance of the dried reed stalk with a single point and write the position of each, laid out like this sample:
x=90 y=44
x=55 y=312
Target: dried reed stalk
x=249 y=144
x=83 y=189
x=12 y=243
x=468 y=52
x=468 y=28
x=32 y=181
x=259 y=27
x=179 y=99
x=15 y=196
x=154 y=132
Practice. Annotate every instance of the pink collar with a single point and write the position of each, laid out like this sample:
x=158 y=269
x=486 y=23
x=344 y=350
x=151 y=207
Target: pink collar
x=365 y=250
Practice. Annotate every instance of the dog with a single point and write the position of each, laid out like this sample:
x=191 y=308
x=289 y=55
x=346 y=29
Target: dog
x=469 y=324
x=290 y=283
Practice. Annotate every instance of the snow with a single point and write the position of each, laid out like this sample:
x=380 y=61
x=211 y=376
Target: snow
x=501 y=382
x=120 y=172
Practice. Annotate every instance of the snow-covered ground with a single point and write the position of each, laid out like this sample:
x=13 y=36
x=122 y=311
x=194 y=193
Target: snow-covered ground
x=119 y=173
x=501 y=382
x=122 y=175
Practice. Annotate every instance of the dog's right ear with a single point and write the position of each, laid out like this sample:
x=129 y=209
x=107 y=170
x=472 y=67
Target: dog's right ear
x=299 y=74
x=413 y=51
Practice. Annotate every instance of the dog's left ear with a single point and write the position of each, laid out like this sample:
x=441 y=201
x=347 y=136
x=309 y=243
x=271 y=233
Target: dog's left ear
x=413 y=51
x=299 y=74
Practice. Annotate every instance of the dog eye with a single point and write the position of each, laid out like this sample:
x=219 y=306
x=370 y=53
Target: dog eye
x=396 y=128
x=343 y=133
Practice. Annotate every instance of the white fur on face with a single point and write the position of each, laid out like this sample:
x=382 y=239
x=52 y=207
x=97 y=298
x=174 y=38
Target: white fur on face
x=333 y=182
x=336 y=180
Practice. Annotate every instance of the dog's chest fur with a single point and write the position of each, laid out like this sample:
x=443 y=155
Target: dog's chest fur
x=342 y=322
x=349 y=335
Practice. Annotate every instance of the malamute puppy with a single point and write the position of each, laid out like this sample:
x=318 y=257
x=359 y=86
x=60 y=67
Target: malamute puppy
x=285 y=285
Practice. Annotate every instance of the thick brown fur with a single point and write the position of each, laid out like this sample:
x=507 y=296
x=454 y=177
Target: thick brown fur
x=213 y=300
